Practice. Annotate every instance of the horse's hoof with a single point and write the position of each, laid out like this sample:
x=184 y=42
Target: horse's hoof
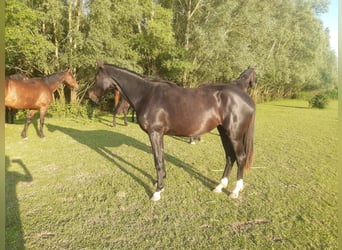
x=192 y=143
x=156 y=196
x=218 y=190
x=25 y=138
x=223 y=184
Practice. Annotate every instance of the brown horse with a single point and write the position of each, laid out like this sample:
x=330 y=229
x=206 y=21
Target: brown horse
x=35 y=94
x=121 y=105
x=164 y=109
x=10 y=113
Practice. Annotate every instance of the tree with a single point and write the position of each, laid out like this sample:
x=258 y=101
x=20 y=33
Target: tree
x=26 y=48
x=187 y=41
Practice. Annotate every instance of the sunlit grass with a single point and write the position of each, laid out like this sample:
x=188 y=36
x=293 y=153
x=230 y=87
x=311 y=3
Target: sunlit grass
x=88 y=185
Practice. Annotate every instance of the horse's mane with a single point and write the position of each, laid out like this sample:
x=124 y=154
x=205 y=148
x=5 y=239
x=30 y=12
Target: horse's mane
x=146 y=78
x=18 y=76
x=53 y=77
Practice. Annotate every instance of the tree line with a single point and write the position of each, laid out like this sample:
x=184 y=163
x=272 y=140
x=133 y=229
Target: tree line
x=186 y=41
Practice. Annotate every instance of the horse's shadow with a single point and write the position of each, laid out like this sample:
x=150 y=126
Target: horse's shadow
x=14 y=231
x=101 y=140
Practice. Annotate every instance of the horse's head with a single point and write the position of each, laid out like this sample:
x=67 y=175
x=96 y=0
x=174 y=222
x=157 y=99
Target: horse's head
x=70 y=80
x=103 y=82
x=249 y=76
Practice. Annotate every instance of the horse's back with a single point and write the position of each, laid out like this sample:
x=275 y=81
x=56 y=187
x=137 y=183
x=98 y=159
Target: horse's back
x=194 y=111
x=22 y=94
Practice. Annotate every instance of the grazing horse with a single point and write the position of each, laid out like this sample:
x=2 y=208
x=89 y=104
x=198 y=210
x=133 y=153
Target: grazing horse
x=163 y=109
x=35 y=93
x=121 y=105
x=10 y=113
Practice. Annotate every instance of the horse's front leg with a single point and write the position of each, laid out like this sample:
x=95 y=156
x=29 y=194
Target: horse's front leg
x=125 y=117
x=114 y=118
x=29 y=117
x=157 y=143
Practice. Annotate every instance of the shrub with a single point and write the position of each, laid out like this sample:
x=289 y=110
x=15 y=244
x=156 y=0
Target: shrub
x=320 y=100
x=72 y=110
x=332 y=94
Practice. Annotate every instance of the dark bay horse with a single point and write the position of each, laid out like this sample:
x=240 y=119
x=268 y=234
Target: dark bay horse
x=35 y=94
x=246 y=80
x=163 y=109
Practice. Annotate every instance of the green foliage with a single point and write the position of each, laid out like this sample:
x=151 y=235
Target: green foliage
x=332 y=93
x=26 y=47
x=187 y=41
x=320 y=100
x=71 y=110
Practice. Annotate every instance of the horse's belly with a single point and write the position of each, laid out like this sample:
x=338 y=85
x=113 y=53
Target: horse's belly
x=193 y=125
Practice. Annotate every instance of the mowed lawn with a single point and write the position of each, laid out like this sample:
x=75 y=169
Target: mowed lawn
x=88 y=186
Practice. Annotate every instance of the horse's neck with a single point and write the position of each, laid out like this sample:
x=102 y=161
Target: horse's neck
x=53 y=81
x=133 y=86
x=243 y=83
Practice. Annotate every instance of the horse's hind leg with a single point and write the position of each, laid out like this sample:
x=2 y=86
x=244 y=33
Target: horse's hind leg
x=241 y=162
x=29 y=117
x=230 y=159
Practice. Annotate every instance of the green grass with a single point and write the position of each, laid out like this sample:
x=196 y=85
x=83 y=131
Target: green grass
x=87 y=186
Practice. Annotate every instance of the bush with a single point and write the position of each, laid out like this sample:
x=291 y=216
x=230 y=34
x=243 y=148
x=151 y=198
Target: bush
x=319 y=101
x=72 y=110
x=332 y=94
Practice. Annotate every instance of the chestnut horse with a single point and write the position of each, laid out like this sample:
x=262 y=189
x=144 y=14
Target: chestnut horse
x=35 y=94
x=10 y=113
x=163 y=109
x=121 y=105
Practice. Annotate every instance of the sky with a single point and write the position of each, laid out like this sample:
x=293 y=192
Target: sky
x=330 y=20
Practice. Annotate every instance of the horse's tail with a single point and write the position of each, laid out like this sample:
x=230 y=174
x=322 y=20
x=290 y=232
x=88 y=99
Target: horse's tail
x=248 y=141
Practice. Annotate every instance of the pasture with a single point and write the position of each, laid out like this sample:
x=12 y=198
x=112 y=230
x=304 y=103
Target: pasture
x=88 y=186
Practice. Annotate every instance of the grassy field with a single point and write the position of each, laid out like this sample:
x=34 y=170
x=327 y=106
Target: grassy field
x=87 y=186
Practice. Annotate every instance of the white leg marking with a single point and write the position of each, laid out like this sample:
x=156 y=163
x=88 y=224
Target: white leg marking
x=238 y=188
x=223 y=184
x=156 y=195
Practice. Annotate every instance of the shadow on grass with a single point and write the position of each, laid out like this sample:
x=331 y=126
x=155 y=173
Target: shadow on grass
x=119 y=117
x=35 y=123
x=100 y=140
x=289 y=106
x=13 y=231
